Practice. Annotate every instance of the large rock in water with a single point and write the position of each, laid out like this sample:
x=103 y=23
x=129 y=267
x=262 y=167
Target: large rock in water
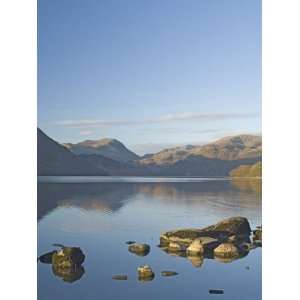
x=67 y=257
x=139 y=249
x=145 y=273
x=236 y=226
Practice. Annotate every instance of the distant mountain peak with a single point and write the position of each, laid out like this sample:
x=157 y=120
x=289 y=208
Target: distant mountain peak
x=110 y=148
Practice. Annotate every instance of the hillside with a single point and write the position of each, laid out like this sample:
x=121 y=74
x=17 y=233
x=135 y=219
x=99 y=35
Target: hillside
x=229 y=148
x=110 y=148
x=116 y=168
x=214 y=159
x=54 y=159
x=247 y=171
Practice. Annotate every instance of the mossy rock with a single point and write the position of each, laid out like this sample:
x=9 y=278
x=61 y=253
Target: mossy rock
x=68 y=257
x=139 y=249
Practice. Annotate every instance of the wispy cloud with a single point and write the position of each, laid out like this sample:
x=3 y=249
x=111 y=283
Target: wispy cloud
x=200 y=117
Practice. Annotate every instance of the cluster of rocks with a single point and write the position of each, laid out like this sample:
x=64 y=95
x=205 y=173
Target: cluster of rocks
x=145 y=273
x=66 y=262
x=225 y=241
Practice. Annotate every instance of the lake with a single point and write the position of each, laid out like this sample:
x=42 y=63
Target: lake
x=99 y=214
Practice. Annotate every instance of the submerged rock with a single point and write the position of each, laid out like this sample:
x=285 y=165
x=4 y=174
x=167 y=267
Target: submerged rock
x=68 y=257
x=145 y=273
x=168 y=273
x=139 y=249
x=216 y=291
x=130 y=242
x=119 y=277
x=226 y=250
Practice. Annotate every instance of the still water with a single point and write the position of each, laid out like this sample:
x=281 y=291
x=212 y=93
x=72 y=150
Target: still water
x=100 y=214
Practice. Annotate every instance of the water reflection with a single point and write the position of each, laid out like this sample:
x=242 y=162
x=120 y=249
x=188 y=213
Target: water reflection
x=106 y=197
x=110 y=197
x=101 y=217
x=69 y=275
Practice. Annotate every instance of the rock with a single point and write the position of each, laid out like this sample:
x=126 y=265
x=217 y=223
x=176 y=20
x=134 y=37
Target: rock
x=119 y=277
x=216 y=291
x=195 y=248
x=247 y=246
x=68 y=257
x=257 y=235
x=130 y=242
x=239 y=239
x=174 y=247
x=209 y=243
x=231 y=226
x=196 y=261
x=139 y=249
x=145 y=273
x=236 y=226
x=201 y=245
x=70 y=275
x=46 y=258
x=168 y=273
x=226 y=250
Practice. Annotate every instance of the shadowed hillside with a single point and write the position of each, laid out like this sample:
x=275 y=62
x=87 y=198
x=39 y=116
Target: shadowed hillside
x=54 y=159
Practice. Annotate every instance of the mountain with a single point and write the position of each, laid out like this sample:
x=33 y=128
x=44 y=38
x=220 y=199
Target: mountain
x=55 y=159
x=214 y=159
x=110 y=148
x=247 y=171
x=228 y=148
x=109 y=156
x=117 y=168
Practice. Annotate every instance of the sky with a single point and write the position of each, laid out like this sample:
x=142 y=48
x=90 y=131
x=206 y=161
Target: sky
x=152 y=74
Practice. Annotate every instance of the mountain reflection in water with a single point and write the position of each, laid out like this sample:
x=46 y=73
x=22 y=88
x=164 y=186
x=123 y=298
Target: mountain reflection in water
x=110 y=197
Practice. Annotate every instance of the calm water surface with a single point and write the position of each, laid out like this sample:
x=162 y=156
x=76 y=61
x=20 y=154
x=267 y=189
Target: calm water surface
x=100 y=214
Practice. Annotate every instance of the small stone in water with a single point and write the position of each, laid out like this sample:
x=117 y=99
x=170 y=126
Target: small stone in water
x=130 y=242
x=168 y=273
x=248 y=268
x=120 y=277
x=217 y=292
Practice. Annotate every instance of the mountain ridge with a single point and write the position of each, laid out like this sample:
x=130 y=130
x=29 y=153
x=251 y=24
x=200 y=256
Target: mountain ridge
x=110 y=148
x=217 y=158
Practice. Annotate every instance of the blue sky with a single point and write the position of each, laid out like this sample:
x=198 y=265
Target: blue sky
x=152 y=74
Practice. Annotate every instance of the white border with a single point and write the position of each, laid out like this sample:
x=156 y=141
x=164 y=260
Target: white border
x=281 y=84
x=18 y=149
